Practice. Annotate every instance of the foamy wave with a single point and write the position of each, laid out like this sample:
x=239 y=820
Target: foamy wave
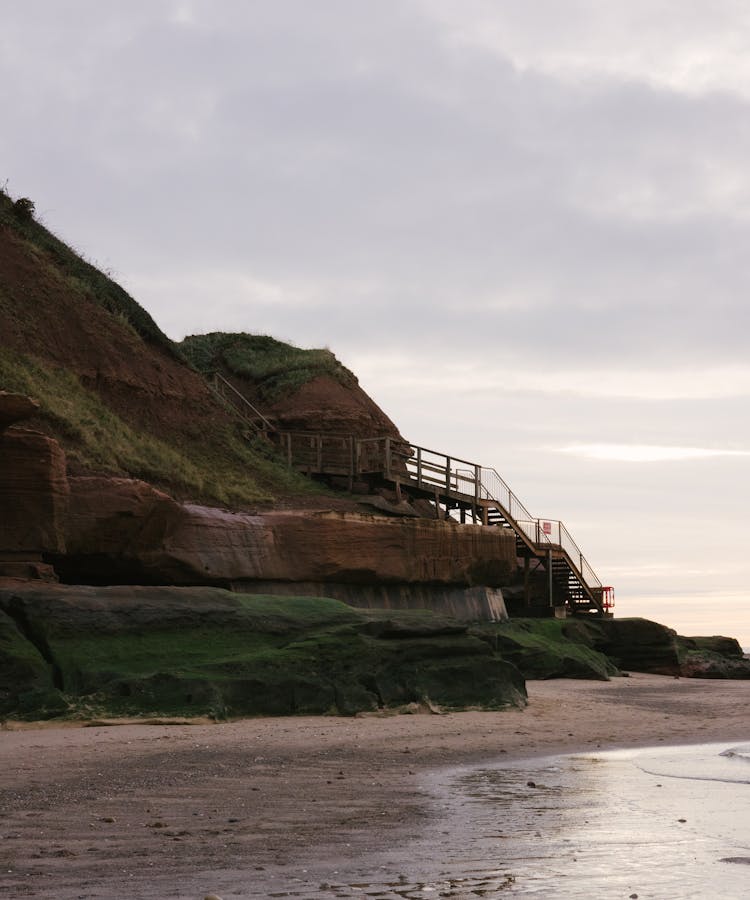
x=741 y=754
x=704 y=762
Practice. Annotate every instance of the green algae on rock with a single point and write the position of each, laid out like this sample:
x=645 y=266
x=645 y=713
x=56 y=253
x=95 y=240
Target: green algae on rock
x=206 y=651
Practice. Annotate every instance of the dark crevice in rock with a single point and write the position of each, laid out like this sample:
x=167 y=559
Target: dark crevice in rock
x=16 y=610
x=101 y=570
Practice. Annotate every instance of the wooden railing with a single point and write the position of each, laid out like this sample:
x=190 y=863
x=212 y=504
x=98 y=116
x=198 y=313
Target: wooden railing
x=240 y=404
x=449 y=478
x=453 y=481
x=319 y=454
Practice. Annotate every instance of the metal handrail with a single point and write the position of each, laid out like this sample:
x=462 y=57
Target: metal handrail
x=452 y=476
x=559 y=536
x=431 y=468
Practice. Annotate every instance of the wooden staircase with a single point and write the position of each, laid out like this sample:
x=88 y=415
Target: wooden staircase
x=461 y=490
x=240 y=405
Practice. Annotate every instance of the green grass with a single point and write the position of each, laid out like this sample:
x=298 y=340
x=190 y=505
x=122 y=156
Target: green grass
x=276 y=368
x=215 y=465
x=82 y=274
x=220 y=467
x=92 y=433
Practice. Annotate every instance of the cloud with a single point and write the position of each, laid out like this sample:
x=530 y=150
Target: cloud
x=490 y=203
x=518 y=375
x=524 y=226
x=646 y=453
x=703 y=49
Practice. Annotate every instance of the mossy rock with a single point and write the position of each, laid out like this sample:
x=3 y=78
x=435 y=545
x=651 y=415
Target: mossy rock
x=25 y=677
x=541 y=648
x=495 y=683
x=205 y=651
x=41 y=703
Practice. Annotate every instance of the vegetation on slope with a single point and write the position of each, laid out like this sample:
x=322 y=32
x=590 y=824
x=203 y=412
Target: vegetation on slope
x=19 y=216
x=113 y=389
x=223 y=467
x=276 y=368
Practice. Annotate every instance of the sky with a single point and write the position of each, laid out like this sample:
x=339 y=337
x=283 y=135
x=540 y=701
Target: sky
x=523 y=225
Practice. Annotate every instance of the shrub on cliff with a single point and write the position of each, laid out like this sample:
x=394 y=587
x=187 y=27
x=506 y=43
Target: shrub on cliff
x=23 y=209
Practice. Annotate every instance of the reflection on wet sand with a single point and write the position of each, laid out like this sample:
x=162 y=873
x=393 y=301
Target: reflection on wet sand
x=656 y=823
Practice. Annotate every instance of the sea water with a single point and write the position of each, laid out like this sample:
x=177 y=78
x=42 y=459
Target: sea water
x=668 y=823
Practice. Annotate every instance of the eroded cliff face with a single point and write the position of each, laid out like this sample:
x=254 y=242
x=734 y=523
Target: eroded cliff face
x=108 y=530
x=121 y=530
x=324 y=405
x=33 y=493
x=45 y=317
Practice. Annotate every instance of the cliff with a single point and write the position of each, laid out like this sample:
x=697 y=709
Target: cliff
x=296 y=389
x=111 y=388
x=200 y=573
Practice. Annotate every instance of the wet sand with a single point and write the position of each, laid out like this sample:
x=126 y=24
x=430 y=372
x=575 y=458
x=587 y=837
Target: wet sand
x=274 y=806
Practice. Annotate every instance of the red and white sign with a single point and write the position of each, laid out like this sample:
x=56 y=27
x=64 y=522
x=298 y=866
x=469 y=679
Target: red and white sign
x=547 y=527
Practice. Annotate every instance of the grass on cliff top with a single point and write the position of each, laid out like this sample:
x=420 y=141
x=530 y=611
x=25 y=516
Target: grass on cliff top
x=276 y=368
x=19 y=215
x=222 y=468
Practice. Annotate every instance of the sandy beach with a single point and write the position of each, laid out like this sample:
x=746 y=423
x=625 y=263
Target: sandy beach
x=242 y=808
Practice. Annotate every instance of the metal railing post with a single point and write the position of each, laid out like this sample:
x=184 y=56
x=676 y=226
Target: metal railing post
x=549 y=566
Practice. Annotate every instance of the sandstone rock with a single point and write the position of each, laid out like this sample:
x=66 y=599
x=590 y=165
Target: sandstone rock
x=645 y=646
x=712 y=657
x=703 y=664
x=15 y=408
x=124 y=526
x=325 y=405
x=33 y=493
x=26 y=566
x=350 y=548
x=117 y=518
x=540 y=657
x=22 y=668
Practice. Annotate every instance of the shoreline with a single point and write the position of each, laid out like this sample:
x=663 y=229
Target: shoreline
x=173 y=810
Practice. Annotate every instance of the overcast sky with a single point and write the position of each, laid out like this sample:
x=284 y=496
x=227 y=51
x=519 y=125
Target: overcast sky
x=524 y=225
